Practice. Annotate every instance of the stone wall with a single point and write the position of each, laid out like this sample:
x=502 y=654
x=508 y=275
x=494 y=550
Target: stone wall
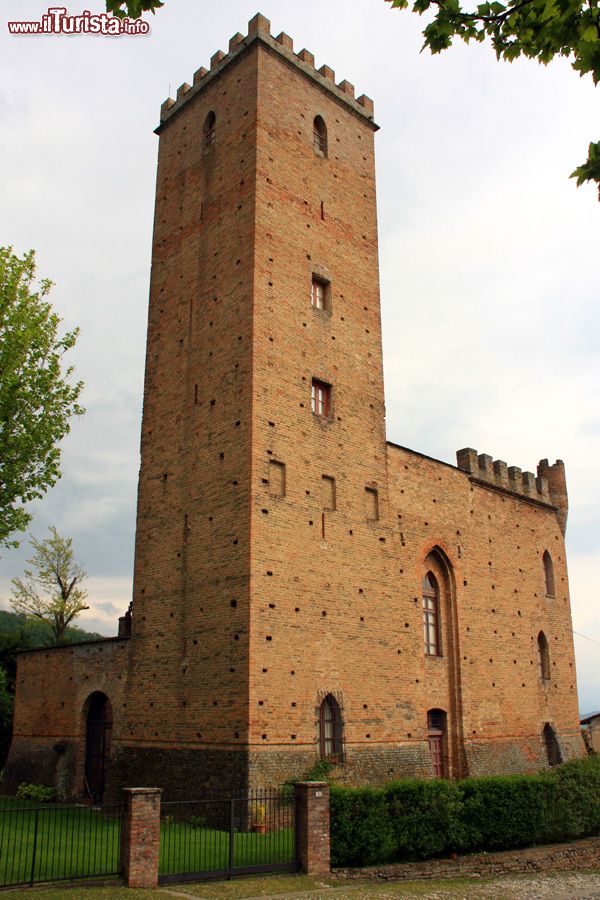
x=551 y=858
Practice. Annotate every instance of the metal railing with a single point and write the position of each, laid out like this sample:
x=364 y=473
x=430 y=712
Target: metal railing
x=223 y=836
x=57 y=842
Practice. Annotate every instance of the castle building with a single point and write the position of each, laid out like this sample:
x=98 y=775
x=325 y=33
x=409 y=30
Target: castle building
x=303 y=588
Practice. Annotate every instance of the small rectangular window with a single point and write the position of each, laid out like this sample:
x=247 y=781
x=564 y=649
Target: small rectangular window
x=319 y=293
x=371 y=504
x=328 y=488
x=276 y=478
x=320 y=398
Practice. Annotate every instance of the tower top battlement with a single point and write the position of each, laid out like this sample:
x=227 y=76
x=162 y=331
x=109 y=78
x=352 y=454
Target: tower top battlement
x=259 y=29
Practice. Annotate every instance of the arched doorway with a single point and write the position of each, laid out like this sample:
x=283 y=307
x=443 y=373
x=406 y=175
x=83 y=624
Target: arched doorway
x=436 y=734
x=97 y=744
x=552 y=746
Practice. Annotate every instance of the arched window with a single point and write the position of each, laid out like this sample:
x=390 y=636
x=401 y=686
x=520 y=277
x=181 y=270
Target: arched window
x=436 y=734
x=543 y=656
x=552 y=746
x=331 y=730
x=548 y=574
x=320 y=136
x=97 y=744
x=431 y=615
x=210 y=129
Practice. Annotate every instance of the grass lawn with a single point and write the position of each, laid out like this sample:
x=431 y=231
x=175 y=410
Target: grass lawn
x=81 y=841
x=69 y=842
x=185 y=848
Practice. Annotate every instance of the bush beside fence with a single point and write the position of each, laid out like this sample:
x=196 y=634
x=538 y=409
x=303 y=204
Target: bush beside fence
x=414 y=820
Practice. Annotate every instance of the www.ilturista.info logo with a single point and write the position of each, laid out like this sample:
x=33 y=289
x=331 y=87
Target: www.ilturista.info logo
x=57 y=21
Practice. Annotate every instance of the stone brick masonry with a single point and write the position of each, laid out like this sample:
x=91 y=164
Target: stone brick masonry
x=280 y=553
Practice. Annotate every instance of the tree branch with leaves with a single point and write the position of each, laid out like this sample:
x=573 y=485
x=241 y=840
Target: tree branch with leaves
x=37 y=397
x=537 y=29
x=51 y=589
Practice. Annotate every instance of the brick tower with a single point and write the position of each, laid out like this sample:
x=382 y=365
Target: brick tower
x=263 y=379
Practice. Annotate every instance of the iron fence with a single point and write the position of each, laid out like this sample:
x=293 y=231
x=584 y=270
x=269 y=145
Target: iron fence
x=220 y=837
x=57 y=842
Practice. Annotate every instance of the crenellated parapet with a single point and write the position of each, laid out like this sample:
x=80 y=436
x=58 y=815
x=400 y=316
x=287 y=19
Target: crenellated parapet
x=495 y=472
x=259 y=29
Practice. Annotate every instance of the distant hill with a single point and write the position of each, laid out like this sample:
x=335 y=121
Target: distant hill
x=37 y=633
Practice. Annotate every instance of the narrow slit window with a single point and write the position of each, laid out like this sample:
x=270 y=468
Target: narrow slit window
x=371 y=504
x=328 y=488
x=276 y=478
x=210 y=129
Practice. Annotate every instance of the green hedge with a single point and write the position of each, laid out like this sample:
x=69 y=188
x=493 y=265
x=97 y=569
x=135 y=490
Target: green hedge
x=410 y=820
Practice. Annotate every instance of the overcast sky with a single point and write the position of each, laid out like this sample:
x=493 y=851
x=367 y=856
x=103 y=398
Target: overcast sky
x=489 y=254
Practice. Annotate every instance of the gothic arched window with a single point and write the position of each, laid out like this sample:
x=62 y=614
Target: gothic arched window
x=331 y=730
x=548 y=574
x=320 y=136
x=431 y=615
x=543 y=656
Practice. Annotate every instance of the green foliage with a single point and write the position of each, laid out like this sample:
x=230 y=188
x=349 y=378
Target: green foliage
x=320 y=771
x=38 y=792
x=52 y=589
x=36 y=396
x=413 y=819
x=132 y=8
x=538 y=29
x=425 y=815
x=362 y=829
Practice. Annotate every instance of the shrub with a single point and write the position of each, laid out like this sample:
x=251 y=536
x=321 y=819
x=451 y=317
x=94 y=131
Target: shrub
x=504 y=811
x=361 y=829
x=38 y=792
x=425 y=817
x=414 y=819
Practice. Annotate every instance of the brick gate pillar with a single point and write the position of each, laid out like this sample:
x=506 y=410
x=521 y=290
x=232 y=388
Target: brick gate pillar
x=312 y=826
x=140 y=837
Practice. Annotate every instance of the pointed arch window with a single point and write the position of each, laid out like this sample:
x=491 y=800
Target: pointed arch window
x=551 y=745
x=331 y=730
x=210 y=129
x=543 y=656
x=320 y=136
x=548 y=574
x=431 y=615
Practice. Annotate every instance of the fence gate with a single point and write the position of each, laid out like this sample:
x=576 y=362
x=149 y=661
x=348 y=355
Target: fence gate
x=56 y=842
x=220 y=837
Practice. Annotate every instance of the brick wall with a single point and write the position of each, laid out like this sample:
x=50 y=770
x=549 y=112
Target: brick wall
x=52 y=690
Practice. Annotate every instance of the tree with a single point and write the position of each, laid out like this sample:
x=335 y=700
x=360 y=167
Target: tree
x=36 y=396
x=132 y=8
x=52 y=587
x=538 y=29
